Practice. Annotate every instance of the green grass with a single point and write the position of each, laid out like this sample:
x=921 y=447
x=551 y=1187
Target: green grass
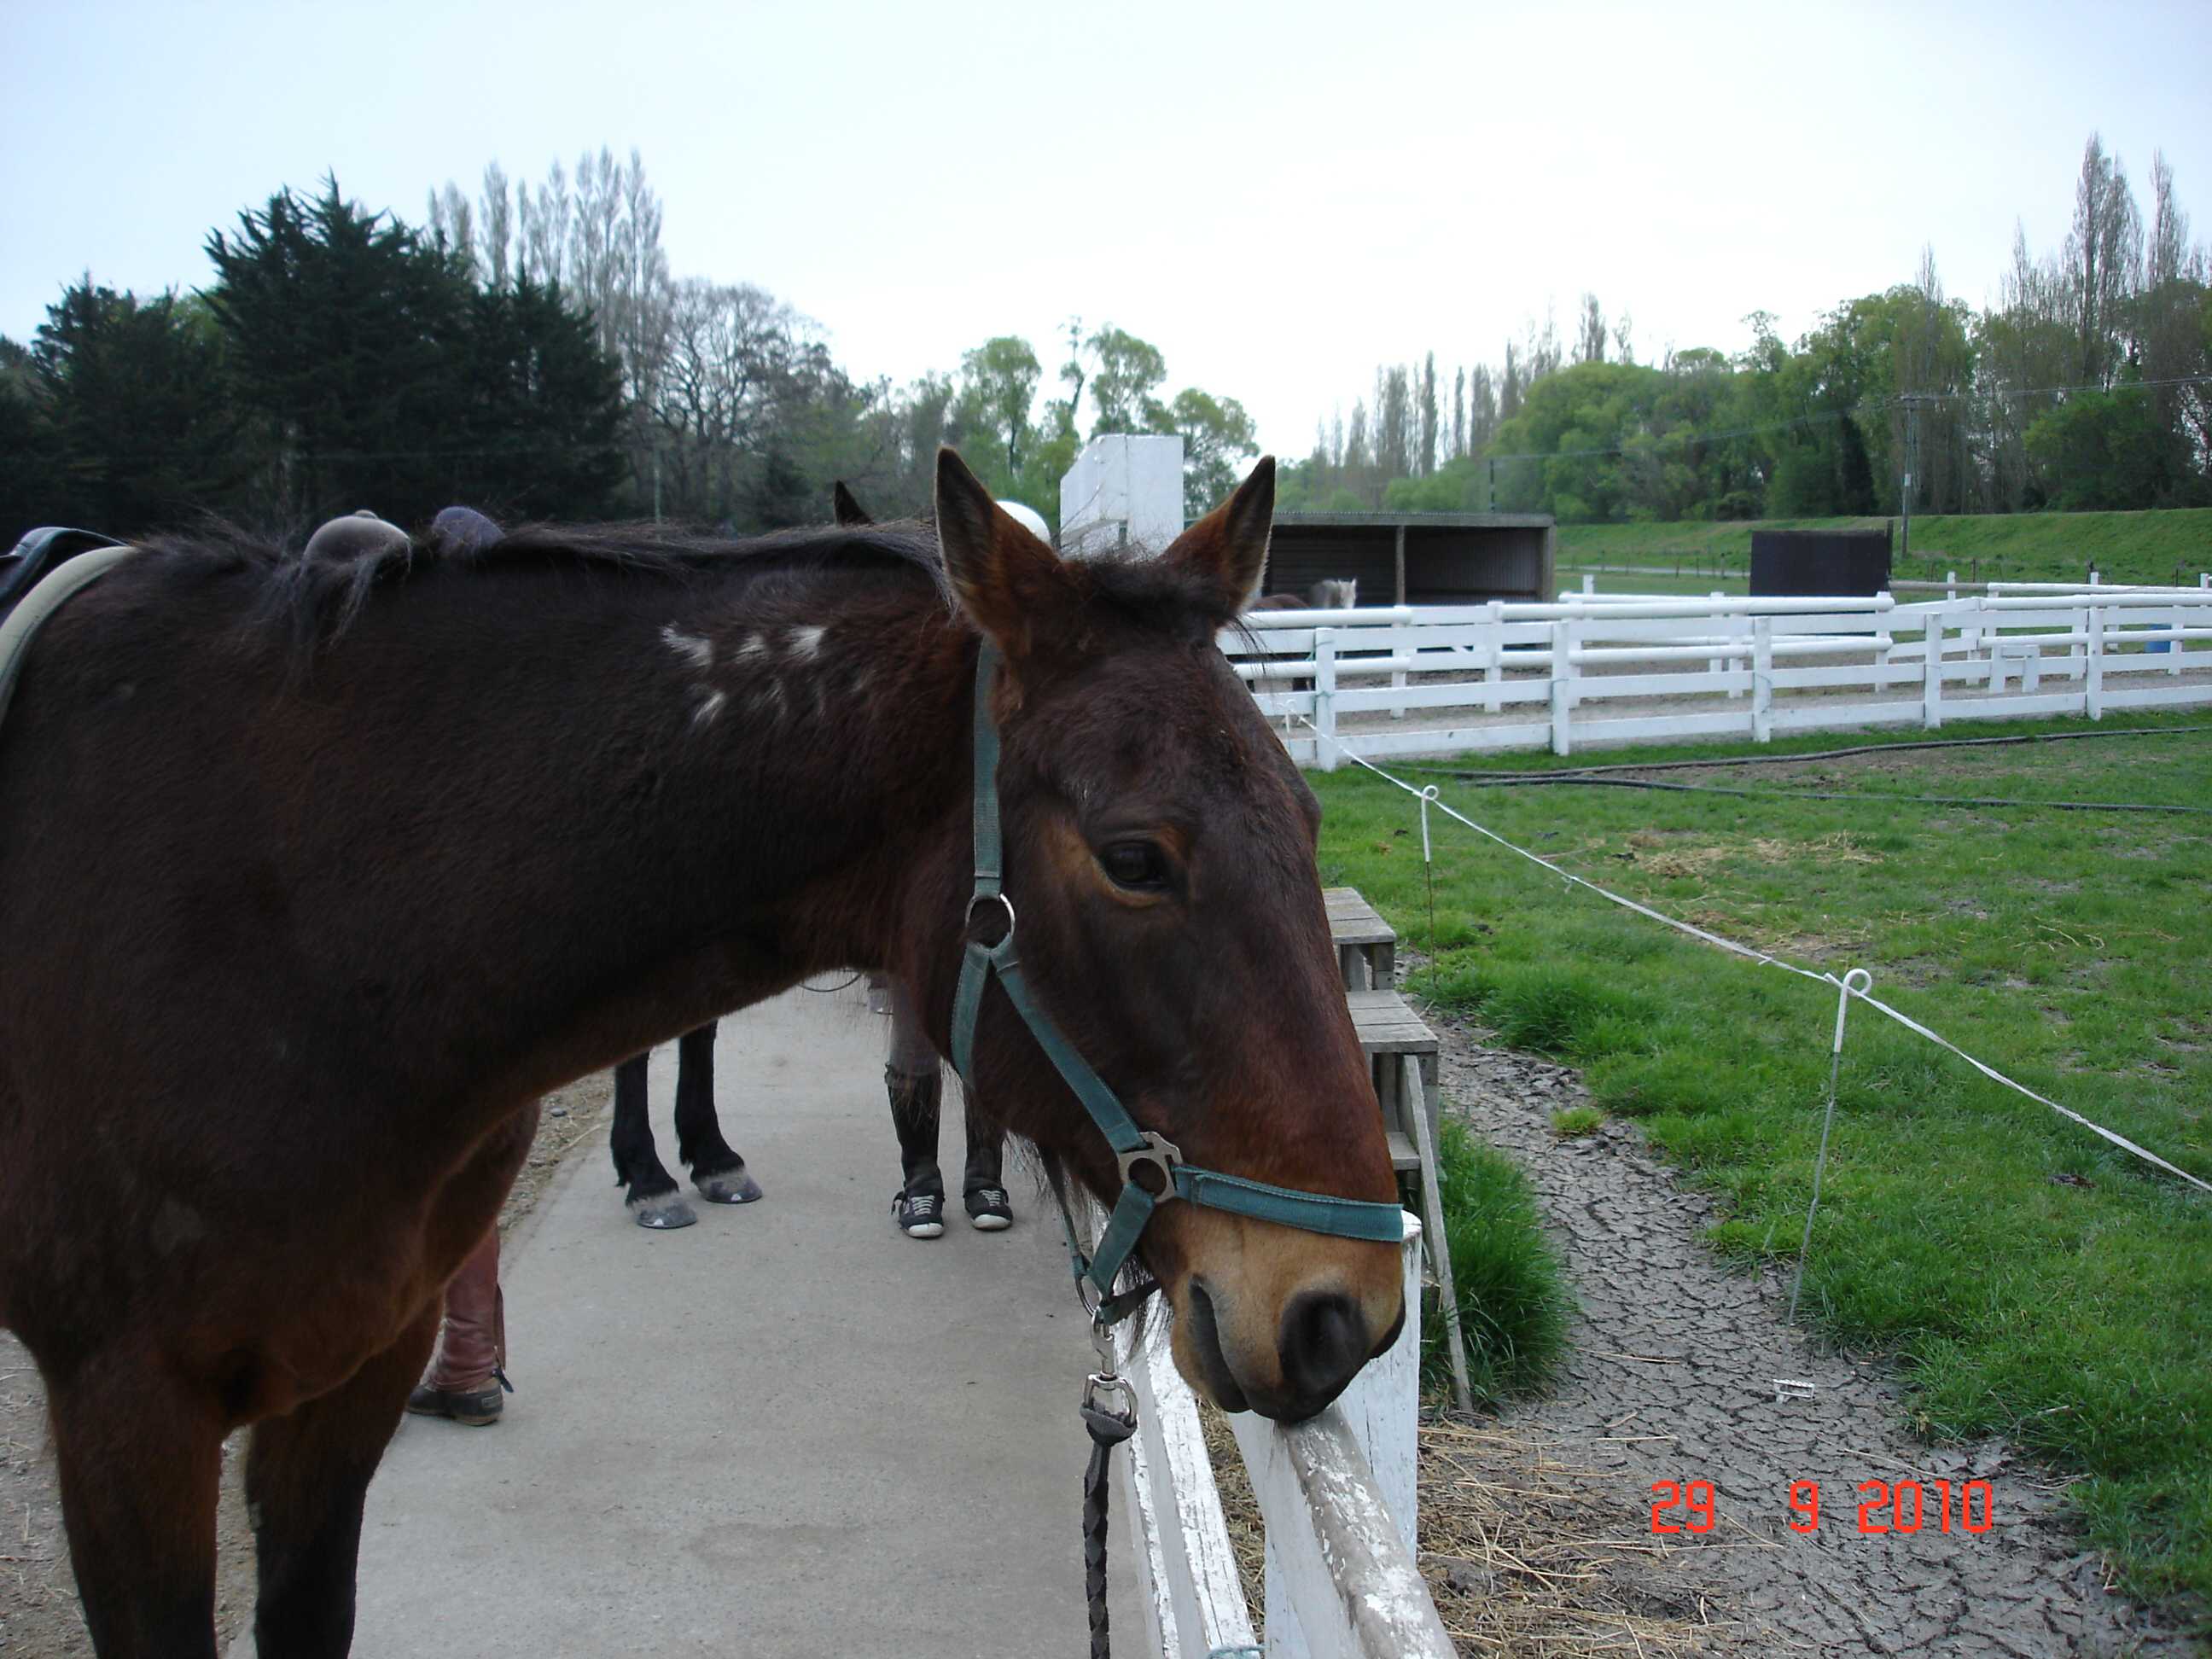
x=1513 y=1298
x=2150 y=547
x=1576 y=1121
x=2033 y=1281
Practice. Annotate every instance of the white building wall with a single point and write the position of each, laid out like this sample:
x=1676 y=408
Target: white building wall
x=1122 y=490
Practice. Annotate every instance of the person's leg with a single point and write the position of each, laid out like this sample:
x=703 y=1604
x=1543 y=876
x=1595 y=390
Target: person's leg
x=915 y=1080
x=466 y=1381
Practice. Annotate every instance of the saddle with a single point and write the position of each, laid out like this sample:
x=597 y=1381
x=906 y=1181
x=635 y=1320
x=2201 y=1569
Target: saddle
x=40 y=551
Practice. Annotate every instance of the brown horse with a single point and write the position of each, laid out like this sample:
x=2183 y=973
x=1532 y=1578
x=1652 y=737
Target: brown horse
x=313 y=875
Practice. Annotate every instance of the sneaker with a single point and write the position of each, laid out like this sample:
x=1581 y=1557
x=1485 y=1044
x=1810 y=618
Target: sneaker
x=476 y=1408
x=988 y=1210
x=920 y=1215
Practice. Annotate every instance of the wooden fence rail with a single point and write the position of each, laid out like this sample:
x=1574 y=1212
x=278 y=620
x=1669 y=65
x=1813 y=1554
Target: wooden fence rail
x=1337 y=1494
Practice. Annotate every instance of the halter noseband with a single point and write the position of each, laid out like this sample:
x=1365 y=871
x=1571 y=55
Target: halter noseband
x=1135 y=1148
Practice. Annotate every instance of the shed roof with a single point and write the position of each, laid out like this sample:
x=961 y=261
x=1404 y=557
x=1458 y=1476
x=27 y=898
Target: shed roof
x=1417 y=520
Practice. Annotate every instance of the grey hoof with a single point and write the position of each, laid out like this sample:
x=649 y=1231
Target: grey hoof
x=731 y=1186
x=663 y=1215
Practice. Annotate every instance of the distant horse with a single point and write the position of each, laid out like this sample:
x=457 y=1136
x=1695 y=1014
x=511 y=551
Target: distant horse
x=1333 y=594
x=315 y=875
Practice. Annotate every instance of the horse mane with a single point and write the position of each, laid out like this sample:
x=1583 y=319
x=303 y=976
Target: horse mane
x=311 y=601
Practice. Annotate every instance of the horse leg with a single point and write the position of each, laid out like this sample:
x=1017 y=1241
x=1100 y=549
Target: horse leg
x=306 y=1476
x=140 y=1459
x=716 y=1170
x=651 y=1190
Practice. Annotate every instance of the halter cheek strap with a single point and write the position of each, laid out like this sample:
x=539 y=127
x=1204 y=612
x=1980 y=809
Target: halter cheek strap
x=1135 y=1148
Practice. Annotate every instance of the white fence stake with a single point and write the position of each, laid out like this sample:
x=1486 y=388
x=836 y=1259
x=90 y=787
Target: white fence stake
x=2093 y=674
x=1563 y=674
x=1857 y=980
x=1931 y=705
x=1325 y=695
x=1762 y=679
x=1493 y=675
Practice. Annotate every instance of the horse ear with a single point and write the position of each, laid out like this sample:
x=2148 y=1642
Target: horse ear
x=1227 y=548
x=846 y=507
x=1005 y=578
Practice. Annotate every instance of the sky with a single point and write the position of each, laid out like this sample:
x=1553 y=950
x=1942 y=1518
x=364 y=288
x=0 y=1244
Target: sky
x=1279 y=198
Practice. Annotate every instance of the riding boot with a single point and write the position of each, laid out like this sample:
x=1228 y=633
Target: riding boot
x=465 y=1380
x=915 y=1106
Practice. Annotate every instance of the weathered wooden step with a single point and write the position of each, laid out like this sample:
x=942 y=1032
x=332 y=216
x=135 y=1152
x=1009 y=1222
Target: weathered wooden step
x=1366 y=945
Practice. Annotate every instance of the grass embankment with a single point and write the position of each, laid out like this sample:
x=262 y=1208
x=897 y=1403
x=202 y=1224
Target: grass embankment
x=1513 y=1298
x=2034 y=1281
x=2125 y=547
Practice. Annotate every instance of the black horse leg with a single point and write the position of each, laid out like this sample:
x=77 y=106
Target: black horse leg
x=716 y=1170
x=139 y=1460
x=307 y=1475
x=650 y=1190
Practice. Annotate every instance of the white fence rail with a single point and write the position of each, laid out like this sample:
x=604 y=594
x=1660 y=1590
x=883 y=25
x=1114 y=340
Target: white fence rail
x=1435 y=680
x=1337 y=1494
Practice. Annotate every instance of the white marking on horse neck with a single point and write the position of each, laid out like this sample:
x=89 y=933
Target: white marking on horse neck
x=753 y=645
x=709 y=706
x=695 y=649
x=806 y=641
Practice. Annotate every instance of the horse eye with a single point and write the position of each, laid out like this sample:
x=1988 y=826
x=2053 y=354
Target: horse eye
x=1136 y=863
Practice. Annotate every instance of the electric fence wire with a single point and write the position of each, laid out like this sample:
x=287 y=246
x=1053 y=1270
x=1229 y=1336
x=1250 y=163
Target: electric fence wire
x=1841 y=983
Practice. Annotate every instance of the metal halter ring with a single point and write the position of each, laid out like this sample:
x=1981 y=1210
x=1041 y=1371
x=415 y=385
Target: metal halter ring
x=992 y=898
x=1161 y=1155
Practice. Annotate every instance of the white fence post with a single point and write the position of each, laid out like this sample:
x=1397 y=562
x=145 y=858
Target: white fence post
x=1563 y=670
x=2173 y=647
x=2093 y=671
x=1970 y=636
x=1952 y=578
x=1325 y=697
x=1319 y=1603
x=1931 y=696
x=1494 y=675
x=1762 y=679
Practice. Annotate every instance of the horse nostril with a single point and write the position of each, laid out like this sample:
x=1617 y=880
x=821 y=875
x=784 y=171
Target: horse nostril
x=1324 y=1340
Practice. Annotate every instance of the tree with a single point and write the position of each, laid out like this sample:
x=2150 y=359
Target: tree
x=384 y=378
x=139 y=429
x=1218 y=436
x=1129 y=371
x=998 y=387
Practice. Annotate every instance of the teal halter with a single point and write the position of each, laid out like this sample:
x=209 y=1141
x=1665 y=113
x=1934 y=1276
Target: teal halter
x=1313 y=1212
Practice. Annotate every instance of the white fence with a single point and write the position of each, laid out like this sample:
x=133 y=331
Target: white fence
x=1337 y=1494
x=1438 y=680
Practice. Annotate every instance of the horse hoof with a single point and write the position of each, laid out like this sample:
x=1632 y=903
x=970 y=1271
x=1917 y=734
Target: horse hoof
x=732 y=1186
x=663 y=1214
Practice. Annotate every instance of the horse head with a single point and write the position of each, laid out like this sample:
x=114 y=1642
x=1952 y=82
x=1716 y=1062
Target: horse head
x=1159 y=863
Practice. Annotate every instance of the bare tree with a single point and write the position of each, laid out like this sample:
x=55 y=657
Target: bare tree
x=498 y=224
x=2103 y=254
x=1590 y=332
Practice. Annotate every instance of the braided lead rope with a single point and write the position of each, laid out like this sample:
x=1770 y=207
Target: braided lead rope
x=1108 y=1429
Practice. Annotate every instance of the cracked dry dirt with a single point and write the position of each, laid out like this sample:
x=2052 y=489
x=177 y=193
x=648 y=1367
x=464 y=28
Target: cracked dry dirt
x=1671 y=1377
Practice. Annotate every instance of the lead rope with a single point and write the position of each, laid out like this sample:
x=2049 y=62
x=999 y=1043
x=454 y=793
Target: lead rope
x=1108 y=1429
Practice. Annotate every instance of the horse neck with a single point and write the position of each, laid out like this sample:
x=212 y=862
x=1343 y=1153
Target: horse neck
x=725 y=790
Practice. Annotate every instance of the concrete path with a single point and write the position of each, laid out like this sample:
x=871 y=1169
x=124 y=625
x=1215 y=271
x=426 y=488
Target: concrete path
x=789 y=1430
